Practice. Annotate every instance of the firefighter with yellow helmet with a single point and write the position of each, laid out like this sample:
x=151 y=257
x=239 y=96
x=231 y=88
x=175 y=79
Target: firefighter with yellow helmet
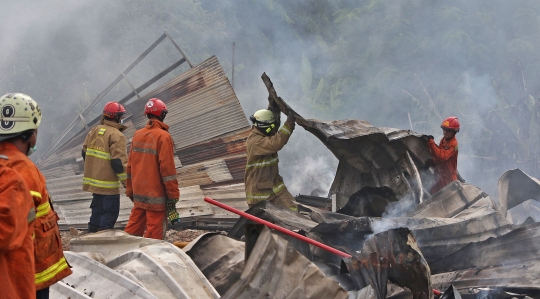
x=262 y=179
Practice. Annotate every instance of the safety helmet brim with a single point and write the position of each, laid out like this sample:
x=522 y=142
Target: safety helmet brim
x=9 y=136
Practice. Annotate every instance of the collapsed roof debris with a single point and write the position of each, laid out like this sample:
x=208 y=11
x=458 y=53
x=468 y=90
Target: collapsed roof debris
x=220 y=258
x=515 y=188
x=391 y=255
x=404 y=241
x=275 y=270
x=134 y=267
x=209 y=161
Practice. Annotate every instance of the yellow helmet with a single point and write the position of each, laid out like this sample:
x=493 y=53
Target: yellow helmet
x=18 y=113
x=263 y=118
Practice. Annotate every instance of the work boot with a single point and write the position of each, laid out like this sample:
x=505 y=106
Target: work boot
x=92 y=228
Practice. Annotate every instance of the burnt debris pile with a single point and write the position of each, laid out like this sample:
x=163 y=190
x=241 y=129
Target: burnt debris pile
x=403 y=241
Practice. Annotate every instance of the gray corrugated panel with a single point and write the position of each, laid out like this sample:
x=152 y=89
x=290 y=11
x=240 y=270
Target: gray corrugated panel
x=192 y=203
x=199 y=88
x=197 y=100
x=232 y=195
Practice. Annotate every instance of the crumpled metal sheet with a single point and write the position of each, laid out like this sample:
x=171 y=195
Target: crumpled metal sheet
x=391 y=255
x=368 y=155
x=60 y=290
x=451 y=293
x=157 y=268
x=524 y=212
x=436 y=237
x=164 y=270
x=220 y=259
x=521 y=278
x=110 y=243
x=278 y=215
x=99 y=281
x=520 y=245
x=453 y=199
x=369 y=202
x=516 y=187
x=275 y=270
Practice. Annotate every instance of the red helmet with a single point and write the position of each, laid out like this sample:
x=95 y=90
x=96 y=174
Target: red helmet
x=113 y=109
x=156 y=107
x=451 y=123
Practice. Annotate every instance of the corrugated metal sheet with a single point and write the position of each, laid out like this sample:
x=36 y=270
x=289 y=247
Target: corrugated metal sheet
x=209 y=130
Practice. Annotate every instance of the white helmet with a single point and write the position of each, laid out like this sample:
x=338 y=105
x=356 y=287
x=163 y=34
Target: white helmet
x=18 y=113
x=263 y=118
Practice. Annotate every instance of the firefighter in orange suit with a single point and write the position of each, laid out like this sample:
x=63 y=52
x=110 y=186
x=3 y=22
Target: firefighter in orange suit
x=21 y=118
x=151 y=176
x=262 y=178
x=105 y=157
x=17 y=217
x=445 y=154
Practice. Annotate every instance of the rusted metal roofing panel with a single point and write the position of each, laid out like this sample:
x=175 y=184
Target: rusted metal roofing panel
x=391 y=255
x=231 y=144
x=197 y=100
x=293 y=275
x=209 y=130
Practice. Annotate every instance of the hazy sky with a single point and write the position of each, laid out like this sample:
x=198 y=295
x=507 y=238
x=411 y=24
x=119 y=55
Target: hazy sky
x=64 y=53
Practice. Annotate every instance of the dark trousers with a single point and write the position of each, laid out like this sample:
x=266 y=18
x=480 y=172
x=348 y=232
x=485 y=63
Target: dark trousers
x=43 y=293
x=105 y=209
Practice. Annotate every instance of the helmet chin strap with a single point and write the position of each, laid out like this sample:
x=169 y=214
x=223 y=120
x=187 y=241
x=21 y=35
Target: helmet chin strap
x=31 y=149
x=270 y=128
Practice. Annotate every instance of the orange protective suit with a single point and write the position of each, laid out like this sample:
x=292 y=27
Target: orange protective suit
x=151 y=180
x=445 y=156
x=50 y=263
x=17 y=217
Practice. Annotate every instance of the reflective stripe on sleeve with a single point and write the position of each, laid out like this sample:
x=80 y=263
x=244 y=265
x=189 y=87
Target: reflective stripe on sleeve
x=31 y=215
x=285 y=130
x=43 y=209
x=52 y=271
x=278 y=188
x=263 y=163
x=144 y=150
x=35 y=194
x=122 y=176
x=100 y=184
x=168 y=178
x=98 y=154
x=102 y=131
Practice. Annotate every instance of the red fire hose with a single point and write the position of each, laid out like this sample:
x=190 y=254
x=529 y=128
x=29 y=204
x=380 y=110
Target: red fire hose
x=285 y=231
x=278 y=228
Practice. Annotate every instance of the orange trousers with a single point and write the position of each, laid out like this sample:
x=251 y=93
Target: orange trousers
x=146 y=223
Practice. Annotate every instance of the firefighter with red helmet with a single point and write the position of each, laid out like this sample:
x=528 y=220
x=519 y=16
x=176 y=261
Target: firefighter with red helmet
x=151 y=176
x=105 y=157
x=445 y=154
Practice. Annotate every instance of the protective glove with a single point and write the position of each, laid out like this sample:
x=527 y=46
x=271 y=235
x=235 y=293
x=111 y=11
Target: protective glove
x=172 y=214
x=272 y=106
x=427 y=137
x=291 y=118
